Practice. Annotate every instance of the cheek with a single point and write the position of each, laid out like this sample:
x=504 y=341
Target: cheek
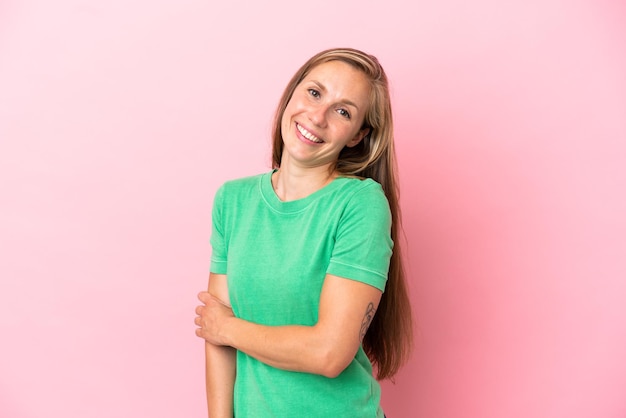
x=284 y=121
x=289 y=111
x=349 y=133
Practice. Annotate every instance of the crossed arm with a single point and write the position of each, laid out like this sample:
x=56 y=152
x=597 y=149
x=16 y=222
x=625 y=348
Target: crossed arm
x=220 y=362
x=326 y=348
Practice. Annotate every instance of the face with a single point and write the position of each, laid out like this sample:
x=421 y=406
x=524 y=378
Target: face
x=325 y=114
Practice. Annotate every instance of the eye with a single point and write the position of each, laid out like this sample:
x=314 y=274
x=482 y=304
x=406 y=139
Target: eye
x=314 y=93
x=344 y=113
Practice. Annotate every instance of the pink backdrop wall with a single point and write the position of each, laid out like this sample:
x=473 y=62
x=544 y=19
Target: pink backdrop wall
x=119 y=119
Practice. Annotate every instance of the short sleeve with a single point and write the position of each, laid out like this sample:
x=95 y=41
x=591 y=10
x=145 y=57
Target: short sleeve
x=363 y=244
x=219 y=253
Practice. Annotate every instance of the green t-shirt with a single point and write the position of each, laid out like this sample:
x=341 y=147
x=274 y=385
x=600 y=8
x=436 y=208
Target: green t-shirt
x=276 y=255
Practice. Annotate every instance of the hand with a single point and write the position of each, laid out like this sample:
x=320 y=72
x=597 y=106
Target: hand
x=211 y=319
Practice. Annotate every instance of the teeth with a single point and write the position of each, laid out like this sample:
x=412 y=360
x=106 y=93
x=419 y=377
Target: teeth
x=308 y=135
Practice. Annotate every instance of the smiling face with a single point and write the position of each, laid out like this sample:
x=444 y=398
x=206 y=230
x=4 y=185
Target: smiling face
x=324 y=115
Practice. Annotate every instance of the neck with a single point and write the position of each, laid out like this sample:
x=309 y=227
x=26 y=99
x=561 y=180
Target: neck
x=291 y=183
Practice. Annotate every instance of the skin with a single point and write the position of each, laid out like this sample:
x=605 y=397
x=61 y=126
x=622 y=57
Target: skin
x=330 y=103
x=220 y=362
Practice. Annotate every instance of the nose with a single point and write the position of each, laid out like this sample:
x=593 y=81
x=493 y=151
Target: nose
x=317 y=115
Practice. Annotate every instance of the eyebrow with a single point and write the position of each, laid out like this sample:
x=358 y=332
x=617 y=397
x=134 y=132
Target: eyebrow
x=344 y=101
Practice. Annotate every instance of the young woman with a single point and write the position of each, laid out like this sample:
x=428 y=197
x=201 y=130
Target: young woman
x=295 y=315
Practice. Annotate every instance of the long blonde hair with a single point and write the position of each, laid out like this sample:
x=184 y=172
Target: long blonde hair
x=389 y=339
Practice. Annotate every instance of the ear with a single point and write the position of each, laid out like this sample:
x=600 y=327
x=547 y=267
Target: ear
x=358 y=137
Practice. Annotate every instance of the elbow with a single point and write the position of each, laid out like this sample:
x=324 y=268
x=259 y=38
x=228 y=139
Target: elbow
x=332 y=372
x=332 y=353
x=333 y=363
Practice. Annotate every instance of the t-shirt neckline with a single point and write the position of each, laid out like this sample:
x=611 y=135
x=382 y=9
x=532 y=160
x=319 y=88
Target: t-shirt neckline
x=293 y=206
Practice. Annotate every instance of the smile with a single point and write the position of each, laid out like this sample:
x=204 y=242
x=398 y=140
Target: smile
x=308 y=135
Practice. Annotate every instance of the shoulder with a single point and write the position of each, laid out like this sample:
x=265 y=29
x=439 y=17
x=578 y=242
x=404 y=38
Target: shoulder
x=240 y=186
x=364 y=191
x=244 y=182
x=238 y=192
x=361 y=200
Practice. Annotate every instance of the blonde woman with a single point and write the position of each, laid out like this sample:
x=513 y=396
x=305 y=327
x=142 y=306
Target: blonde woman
x=307 y=293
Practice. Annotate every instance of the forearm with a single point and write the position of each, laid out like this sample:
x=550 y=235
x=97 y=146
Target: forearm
x=326 y=348
x=310 y=349
x=220 y=380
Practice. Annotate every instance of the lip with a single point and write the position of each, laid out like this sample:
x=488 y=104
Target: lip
x=304 y=139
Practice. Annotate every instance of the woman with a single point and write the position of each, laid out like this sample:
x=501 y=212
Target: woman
x=302 y=255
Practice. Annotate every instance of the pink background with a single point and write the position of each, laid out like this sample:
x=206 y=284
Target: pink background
x=119 y=119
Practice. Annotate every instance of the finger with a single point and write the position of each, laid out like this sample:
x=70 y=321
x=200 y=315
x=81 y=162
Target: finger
x=204 y=296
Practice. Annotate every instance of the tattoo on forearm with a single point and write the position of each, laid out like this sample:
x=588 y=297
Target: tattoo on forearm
x=367 y=320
